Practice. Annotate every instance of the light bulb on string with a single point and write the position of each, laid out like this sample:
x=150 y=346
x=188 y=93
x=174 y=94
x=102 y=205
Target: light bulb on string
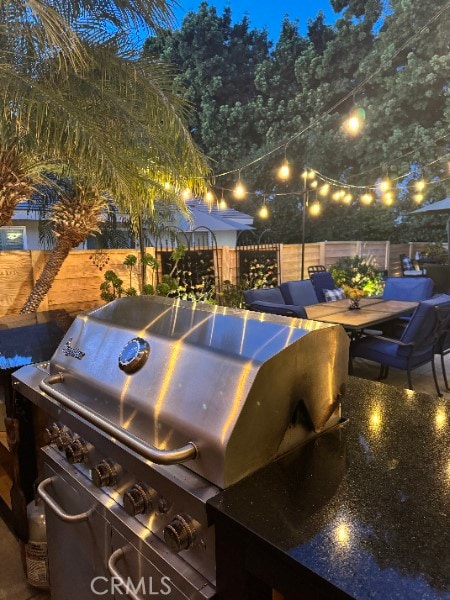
x=336 y=195
x=167 y=185
x=311 y=174
x=209 y=197
x=263 y=212
x=239 y=191
x=385 y=185
x=354 y=123
x=341 y=194
x=304 y=175
x=419 y=185
x=388 y=199
x=418 y=198
x=347 y=198
x=284 y=172
x=315 y=209
x=366 y=198
x=186 y=194
x=324 y=190
x=313 y=184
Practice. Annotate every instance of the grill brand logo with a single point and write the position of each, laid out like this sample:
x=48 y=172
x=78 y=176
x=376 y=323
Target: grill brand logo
x=68 y=350
x=146 y=586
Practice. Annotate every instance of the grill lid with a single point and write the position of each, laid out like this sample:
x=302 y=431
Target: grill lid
x=243 y=387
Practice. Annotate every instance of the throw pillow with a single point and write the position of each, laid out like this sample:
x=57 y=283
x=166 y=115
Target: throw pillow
x=332 y=295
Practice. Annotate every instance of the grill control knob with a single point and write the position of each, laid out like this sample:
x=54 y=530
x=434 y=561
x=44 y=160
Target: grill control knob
x=139 y=500
x=181 y=533
x=77 y=451
x=52 y=432
x=64 y=439
x=104 y=474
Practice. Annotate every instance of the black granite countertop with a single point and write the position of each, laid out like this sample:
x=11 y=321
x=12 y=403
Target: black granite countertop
x=365 y=507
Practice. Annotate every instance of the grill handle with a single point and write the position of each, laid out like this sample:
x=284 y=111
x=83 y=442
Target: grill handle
x=112 y=568
x=59 y=512
x=160 y=457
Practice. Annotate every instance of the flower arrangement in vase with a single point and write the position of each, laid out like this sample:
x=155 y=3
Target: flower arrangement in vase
x=354 y=295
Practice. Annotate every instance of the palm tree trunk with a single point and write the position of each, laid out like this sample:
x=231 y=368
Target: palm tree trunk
x=45 y=281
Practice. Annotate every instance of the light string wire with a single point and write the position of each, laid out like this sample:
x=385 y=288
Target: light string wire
x=342 y=185
x=350 y=94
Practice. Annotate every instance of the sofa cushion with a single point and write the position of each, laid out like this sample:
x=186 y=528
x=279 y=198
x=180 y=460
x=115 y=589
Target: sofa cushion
x=300 y=293
x=333 y=295
x=264 y=295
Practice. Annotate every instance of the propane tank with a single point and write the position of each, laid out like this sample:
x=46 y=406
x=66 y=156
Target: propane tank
x=36 y=560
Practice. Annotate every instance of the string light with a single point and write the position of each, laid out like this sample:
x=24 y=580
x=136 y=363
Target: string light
x=367 y=199
x=315 y=209
x=419 y=185
x=311 y=174
x=186 y=194
x=418 y=198
x=313 y=184
x=354 y=123
x=167 y=185
x=385 y=185
x=284 y=172
x=209 y=197
x=336 y=196
x=239 y=191
x=347 y=198
x=388 y=198
x=304 y=175
x=324 y=190
x=263 y=212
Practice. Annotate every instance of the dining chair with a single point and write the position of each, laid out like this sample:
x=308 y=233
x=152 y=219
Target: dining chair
x=322 y=280
x=411 y=289
x=415 y=347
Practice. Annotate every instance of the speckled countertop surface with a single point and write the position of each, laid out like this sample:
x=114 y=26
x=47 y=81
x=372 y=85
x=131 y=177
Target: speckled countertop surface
x=366 y=507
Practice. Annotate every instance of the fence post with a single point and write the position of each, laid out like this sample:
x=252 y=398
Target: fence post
x=322 y=253
x=387 y=256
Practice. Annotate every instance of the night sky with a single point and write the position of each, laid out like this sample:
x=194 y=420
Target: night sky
x=265 y=13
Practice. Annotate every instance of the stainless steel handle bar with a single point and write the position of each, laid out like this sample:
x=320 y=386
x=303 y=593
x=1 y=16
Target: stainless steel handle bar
x=59 y=512
x=160 y=457
x=112 y=568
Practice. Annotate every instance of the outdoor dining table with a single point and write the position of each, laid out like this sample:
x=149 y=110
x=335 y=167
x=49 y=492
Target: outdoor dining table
x=372 y=311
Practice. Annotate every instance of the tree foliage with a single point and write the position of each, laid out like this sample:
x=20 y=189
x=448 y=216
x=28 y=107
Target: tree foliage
x=387 y=63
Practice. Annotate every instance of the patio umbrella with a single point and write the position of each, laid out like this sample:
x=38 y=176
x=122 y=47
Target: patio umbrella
x=443 y=206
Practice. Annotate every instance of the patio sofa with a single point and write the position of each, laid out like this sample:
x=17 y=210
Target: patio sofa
x=289 y=299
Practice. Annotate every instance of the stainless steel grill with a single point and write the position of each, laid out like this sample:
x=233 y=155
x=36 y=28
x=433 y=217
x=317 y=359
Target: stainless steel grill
x=160 y=404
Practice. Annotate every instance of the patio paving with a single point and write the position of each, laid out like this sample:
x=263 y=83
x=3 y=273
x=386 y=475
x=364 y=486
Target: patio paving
x=422 y=377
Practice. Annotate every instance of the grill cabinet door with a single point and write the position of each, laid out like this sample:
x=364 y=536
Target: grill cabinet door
x=77 y=551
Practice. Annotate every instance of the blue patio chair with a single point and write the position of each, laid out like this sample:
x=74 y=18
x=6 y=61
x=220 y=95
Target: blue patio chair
x=412 y=289
x=322 y=280
x=300 y=292
x=270 y=300
x=416 y=346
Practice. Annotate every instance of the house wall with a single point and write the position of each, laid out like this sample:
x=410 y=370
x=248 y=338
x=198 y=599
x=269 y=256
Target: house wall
x=77 y=286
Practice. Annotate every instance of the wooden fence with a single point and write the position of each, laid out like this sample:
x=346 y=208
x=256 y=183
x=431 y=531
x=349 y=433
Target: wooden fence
x=77 y=286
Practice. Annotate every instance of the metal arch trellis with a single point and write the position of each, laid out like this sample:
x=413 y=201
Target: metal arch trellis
x=198 y=272
x=257 y=262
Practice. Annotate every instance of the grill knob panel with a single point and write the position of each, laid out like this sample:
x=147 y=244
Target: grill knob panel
x=134 y=355
x=64 y=439
x=139 y=500
x=77 y=451
x=181 y=533
x=104 y=474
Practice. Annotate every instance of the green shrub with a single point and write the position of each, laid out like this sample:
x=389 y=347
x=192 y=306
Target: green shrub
x=357 y=273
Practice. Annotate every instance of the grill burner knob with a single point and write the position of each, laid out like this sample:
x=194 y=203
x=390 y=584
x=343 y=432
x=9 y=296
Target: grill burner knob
x=139 y=500
x=52 y=432
x=104 y=474
x=63 y=440
x=57 y=434
x=77 y=451
x=181 y=533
